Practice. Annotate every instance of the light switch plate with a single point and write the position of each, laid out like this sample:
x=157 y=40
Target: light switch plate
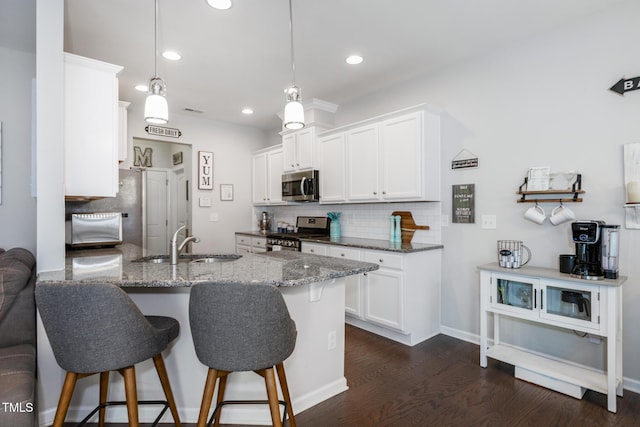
x=489 y=222
x=214 y=217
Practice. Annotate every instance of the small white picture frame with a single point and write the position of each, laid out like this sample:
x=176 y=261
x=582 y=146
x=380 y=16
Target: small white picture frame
x=226 y=192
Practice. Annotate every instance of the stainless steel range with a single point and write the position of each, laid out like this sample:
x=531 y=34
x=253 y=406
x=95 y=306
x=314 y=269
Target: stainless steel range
x=307 y=226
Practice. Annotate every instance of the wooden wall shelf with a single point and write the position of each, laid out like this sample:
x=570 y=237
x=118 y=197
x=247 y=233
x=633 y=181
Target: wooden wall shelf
x=547 y=196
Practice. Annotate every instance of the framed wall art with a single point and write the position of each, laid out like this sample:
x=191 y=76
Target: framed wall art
x=226 y=192
x=205 y=170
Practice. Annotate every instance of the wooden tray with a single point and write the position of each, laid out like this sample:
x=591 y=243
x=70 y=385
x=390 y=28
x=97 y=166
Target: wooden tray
x=408 y=225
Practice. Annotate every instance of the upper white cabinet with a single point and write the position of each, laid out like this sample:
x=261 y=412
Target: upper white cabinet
x=332 y=163
x=299 y=150
x=267 y=176
x=395 y=157
x=122 y=130
x=91 y=127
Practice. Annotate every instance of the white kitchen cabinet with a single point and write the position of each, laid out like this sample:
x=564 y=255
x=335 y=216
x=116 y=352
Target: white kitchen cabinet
x=246 y=244
x=391 y=158
x=91 y=127
x=363 y=164
x=122 y=130
x=547 y=297
x=400 y=300
x=353 y=290
x=267 y=176
x=332 y=163
x=299 y=150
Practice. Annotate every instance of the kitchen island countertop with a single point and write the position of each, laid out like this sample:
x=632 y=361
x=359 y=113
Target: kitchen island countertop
x=281 y=268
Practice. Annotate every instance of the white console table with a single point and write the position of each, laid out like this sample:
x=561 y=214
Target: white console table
x=546 y=296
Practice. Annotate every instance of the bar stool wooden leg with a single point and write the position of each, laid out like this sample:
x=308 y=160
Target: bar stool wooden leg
x=272 y=395
x=131 y=393
x=65 y=398
x=207 y=397
x=104 y=387
x=164 y=380
x=285 y=393
x=222 y=386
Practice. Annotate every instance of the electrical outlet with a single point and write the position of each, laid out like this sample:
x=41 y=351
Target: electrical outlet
x=331 y=340
x=489 y=222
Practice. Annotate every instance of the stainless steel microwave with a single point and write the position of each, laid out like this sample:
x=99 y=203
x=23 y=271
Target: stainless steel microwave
x=301 y=186
x=94 y=229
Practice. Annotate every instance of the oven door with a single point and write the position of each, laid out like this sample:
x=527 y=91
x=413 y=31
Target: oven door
x=282 y=245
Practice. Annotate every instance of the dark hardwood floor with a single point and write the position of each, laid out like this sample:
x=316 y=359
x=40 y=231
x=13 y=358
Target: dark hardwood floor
x=440 y=383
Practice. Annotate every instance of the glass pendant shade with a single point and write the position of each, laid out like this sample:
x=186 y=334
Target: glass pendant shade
x=156 y=109
x=293 y=110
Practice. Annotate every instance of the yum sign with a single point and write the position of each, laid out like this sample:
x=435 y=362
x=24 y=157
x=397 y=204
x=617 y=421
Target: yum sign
x=205 y=170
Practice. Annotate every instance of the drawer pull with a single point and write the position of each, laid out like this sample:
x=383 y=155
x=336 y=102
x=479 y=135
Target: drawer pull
x=380 y=260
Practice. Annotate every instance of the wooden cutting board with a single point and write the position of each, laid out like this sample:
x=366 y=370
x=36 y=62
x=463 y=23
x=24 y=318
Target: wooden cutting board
x=408 y=225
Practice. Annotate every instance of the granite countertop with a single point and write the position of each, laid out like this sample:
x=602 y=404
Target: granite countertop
x=362 y=243
x=280 y=268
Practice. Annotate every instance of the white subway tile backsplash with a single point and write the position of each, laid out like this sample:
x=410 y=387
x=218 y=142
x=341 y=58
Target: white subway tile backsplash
x=368 y=220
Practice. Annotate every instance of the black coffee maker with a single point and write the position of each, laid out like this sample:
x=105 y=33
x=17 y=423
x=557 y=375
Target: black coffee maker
x=586 y=236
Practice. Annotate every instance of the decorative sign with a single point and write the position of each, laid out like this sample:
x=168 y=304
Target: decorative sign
x=162 y=131
x=463 y=204
x=226 y=192
x=142 y=159
x=626 y=85
x=205 y=170
x=464 y=159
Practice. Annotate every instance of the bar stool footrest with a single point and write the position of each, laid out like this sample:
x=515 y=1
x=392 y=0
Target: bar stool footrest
x=124 y=403
x=245 y=402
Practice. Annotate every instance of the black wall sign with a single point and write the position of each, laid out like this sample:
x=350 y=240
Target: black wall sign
x=626 y=85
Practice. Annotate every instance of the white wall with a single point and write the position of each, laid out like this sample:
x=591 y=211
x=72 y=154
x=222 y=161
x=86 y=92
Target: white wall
x=541 y=102
x=231 y=146
x=17 y=207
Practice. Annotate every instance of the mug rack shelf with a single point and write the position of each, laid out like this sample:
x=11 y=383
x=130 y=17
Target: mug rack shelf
x=547 y=196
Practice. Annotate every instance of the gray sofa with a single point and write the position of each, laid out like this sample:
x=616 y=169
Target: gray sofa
x=17 y=338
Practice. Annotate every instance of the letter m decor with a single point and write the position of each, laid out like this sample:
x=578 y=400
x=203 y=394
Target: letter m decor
x=142 y=159
x=205 y=170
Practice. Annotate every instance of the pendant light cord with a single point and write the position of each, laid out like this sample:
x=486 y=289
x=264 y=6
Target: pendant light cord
x=155 y=42
x=293 y=66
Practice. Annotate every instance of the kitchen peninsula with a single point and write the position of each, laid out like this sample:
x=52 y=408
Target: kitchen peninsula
x=313 y=288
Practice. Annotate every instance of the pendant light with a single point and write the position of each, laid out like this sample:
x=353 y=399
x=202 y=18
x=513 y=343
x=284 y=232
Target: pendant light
x=156 y=110
x=293 y=110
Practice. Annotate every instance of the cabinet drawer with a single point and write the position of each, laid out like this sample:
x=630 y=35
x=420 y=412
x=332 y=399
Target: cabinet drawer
x=385 y=259
x=259 y=242
x=311 y=248
x=346 y=253
x=243 y=240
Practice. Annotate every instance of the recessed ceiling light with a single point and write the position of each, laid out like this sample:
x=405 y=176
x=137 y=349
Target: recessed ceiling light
x=354 y=59
x=247 y=111
x=142 y=87
x=171 y=55
x=219 y=4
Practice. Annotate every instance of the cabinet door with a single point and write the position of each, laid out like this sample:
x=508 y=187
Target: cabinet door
x=384 y=298
x=402 y=154
x=260 y=177
x=332 y=168
x=90 y=127
x=571 y=303
x=515 y=294
x=353 y=289
x=274 y=181
x=305 y=149
x=363 y=164
x=122 y=130
x=289 y=152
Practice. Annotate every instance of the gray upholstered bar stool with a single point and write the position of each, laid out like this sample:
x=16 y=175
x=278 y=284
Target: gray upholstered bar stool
x=239 y=327
x=96 y=328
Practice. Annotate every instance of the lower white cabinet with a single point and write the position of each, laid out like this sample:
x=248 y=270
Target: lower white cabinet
x=246 y=244
x=546 y=297
x=400 y=300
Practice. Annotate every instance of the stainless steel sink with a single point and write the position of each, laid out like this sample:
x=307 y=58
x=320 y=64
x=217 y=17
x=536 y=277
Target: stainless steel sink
x=194 y=258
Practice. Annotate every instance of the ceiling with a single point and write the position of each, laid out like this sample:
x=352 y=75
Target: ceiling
x=241 y=57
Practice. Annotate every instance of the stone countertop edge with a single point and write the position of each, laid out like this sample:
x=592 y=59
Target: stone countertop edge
x=280 y=268
x=362 y=243
x=550 y=273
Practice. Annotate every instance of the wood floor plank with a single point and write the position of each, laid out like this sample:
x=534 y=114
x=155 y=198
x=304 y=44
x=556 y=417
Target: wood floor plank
x=440 y=383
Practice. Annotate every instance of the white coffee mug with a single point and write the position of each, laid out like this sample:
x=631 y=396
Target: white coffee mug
x=535 y=214
x=561 y=214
